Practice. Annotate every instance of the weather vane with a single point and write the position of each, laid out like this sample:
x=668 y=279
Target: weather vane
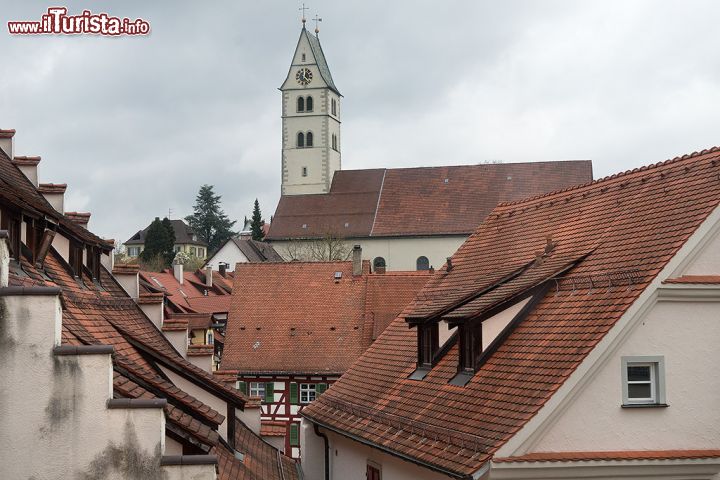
x=302 y=9
x=317 y=26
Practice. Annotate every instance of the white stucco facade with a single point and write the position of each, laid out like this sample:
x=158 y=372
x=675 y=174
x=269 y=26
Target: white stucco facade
x=349 y=459
x=55 y=410
x=400 y=253
x=229 y=254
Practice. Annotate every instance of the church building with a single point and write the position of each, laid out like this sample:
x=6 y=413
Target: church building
x=403 y=218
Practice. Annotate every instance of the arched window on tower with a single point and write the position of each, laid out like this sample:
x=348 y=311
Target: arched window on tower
x=309 y=139
x=334 y=141
x=422 y=263
x=379 y=265
x=300 y=139
x=301 y=104
x=333 y=106
x=309 y=104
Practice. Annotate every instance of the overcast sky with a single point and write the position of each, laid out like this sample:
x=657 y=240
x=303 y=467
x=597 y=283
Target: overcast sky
x=136 y=125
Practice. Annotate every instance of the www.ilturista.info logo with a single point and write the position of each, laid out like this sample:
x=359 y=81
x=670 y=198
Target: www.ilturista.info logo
x=57 y=22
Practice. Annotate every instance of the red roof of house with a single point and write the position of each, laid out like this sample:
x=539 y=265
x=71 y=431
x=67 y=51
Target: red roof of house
x=281 y=309
x=695 y=279
x=609 y=239
x=616 y=455
x=190 y=296
x=418 y=201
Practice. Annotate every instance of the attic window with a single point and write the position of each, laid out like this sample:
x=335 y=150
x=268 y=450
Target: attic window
x=304 y=225
x=303 y=57
x=447 y=180
x=338 y=275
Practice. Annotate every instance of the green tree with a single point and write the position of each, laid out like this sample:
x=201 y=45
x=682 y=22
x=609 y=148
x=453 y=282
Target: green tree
x=159 y=241
x=256 y=223
x=208 y=219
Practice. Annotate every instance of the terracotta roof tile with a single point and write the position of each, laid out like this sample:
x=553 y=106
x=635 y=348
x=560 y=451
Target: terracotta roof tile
x=26 y=161
x=52 y=187
x=279 y=309
x=614 y=235
x=616 y=455
x=418 y=201
x=695 y=279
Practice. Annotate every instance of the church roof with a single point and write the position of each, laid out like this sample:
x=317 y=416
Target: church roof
x=615 y=235
x=449 y=200
x=317 y=51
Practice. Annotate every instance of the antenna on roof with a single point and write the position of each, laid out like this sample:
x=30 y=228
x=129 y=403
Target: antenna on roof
x=302 y=17
x=170 y=212
x=317 y=26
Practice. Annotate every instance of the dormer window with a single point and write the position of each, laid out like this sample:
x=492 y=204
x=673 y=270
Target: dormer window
x=427 y=347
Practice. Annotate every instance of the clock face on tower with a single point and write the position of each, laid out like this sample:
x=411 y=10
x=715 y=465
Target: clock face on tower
x=303 y=76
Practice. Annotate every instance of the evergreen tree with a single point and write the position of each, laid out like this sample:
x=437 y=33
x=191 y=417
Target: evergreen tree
x=170 y=255
x=159 y=241
x=256 y=223
x=208 y=219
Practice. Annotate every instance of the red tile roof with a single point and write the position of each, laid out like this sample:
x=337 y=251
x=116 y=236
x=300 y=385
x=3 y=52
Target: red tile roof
x=273 y=429
x=617 y=455
x=280 y=309
x=614 y=235
x=190 y=296
x=418 y=201
x=695 y=279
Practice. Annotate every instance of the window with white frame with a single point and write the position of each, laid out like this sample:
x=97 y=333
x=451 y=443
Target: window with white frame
x=643 y=380
x=307 y=392
x=133 y=251
x=257 y=389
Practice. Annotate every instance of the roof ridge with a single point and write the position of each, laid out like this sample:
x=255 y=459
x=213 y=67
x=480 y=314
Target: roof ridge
x=614 y=176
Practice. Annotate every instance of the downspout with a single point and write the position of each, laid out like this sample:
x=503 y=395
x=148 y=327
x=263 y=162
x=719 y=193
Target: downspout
x=327 y=450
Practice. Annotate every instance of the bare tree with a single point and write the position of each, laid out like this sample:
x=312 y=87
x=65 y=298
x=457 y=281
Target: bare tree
x=329 y=247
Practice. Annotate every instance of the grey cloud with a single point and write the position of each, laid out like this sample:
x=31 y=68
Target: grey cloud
x=136 y=125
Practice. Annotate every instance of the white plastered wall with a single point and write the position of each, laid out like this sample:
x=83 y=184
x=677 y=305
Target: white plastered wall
x=400 y=253
x=228 y=253
x=349 y=459
x=53 y=407
x=62 y=245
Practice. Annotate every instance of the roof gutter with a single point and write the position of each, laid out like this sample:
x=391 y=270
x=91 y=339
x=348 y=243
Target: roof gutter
x=407 y=458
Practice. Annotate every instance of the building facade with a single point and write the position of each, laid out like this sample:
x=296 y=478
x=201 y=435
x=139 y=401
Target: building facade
x=186 y=240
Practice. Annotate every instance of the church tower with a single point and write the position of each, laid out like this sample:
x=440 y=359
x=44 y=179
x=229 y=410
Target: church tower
x=310 y=120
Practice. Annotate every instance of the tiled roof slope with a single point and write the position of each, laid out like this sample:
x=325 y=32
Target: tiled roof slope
x=618 y=232
x=15 y=188
x=418 y=201
x=190 y=296
x=183 y=235
x=256 y=251
x=281 y=309
x=617 y=455
x=317 y=50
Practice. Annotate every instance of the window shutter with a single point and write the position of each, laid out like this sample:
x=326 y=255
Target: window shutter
x=293 y=392
x=242 y=386
x=294 y=434
x=269 y=394
x=320 y=388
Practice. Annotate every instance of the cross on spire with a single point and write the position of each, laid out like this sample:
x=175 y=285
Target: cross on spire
x=302 y=9
x=317 y=26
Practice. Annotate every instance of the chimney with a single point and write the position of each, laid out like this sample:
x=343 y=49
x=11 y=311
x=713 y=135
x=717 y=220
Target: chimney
x=357 y=260
x=178 y=272
x=54 y=193
x=449 y=265
x=6 y=142
x=29 y=167
x=223 y=268
x=4 y=259
x=128 y=276
x=208 y=276
x=79 y=218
